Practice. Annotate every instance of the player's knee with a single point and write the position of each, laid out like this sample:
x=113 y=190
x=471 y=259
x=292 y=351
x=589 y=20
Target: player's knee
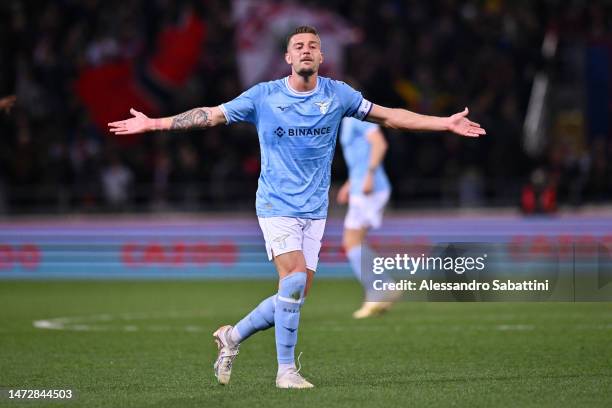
x=349 y=242
x=346 y=245
x=296 y=265
x=290 y=263
x=292 y=287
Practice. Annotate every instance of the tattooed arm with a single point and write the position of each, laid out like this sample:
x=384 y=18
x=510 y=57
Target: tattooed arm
x=198 y=118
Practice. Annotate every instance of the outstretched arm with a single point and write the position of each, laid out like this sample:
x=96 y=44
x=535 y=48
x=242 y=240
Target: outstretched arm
x=406 y=120
x=197 y=118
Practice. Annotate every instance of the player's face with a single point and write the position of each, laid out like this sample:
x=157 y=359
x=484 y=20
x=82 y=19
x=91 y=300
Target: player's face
x=304 y=54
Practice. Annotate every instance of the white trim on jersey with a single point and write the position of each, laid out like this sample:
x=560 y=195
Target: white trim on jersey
x=224 y=114
x=298 y=93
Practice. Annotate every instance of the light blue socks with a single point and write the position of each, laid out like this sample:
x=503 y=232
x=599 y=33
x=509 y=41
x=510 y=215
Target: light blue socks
x=287 y=316
x=282 y=311
x=362 y=255
x=260 y=318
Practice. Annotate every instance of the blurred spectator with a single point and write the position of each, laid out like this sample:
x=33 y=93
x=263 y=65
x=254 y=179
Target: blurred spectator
x=7 y=102
x=540 y=195
x=186 y=177
x=116 y=182
x=161 y=164
x=83 y=153
x=74 y=64
x=471 y=188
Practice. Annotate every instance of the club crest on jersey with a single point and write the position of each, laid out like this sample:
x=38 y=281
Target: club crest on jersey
x=323 y=106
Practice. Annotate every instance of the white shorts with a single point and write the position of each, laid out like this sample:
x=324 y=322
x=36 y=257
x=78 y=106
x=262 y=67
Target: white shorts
x=286 y=234
x=366 y=211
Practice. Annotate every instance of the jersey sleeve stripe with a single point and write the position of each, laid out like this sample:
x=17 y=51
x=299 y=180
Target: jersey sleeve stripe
x=227 y=121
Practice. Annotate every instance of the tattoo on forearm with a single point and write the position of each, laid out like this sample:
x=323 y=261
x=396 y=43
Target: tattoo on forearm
x=195 y=118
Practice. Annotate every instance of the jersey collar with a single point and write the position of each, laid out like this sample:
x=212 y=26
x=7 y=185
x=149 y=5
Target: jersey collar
x=297 y=93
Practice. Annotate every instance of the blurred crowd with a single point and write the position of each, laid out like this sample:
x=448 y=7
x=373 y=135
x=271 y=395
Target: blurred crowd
x=434 y=57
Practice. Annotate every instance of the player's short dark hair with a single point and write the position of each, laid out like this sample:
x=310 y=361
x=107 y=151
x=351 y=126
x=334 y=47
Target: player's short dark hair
x=301 y=30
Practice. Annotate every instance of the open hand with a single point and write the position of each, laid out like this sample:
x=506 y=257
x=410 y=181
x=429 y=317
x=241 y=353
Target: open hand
x=343 y=194
x=461 y=125
x=139 y=123
x=368 y=183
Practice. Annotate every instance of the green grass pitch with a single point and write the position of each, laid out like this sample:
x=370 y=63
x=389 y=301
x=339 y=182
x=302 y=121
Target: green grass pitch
x=149 y=344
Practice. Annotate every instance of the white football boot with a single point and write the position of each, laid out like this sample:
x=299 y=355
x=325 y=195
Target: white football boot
x=291 y=378
x=369 y=309
x=226 y=356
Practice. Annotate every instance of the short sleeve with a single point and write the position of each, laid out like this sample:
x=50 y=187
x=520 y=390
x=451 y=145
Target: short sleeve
x=243 y=107
x=355 y=105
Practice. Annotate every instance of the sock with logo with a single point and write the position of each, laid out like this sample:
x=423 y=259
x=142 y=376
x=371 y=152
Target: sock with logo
x=360 y=256
x=260 y=318
x=287 y=316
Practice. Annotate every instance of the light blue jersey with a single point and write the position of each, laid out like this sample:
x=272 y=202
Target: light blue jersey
x=356 y=149
x=297 y=137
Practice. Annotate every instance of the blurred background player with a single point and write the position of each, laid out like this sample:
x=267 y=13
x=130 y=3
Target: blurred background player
x=297 y=119
x=366 y=191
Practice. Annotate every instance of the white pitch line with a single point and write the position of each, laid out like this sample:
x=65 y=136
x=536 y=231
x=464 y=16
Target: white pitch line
x=52 y=324
x=515 y=327
x=193 y=329
x=91 y=323
x=84 y=323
